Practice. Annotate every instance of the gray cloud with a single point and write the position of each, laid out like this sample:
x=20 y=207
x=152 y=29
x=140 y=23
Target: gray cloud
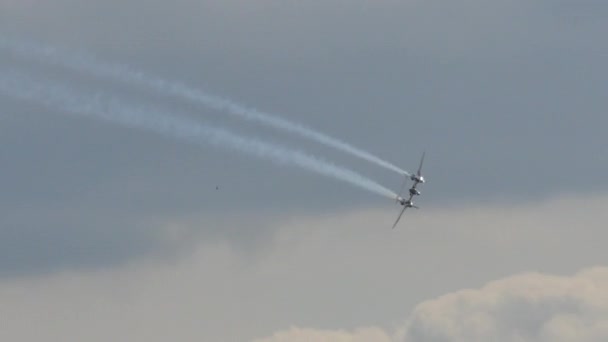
x=508 y=98
x=121 y=235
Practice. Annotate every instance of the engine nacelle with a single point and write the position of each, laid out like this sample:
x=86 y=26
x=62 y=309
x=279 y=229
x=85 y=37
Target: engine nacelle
x=417 y=179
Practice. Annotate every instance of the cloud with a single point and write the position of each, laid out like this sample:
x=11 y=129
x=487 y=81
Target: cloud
x=529 y=307
x=526 y=307
x=347 y=274
x=305 y=335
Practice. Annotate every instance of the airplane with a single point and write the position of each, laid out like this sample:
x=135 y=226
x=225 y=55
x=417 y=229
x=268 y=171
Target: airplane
x=417 y=178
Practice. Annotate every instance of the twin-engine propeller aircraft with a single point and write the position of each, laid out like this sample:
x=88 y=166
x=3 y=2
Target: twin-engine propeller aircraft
x=417 y=178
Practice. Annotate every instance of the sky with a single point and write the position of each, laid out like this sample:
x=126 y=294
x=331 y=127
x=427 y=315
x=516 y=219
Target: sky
x=122 y=233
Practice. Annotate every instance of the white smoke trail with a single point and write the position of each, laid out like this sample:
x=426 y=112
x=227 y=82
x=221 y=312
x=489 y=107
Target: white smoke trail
x=22 y=87
x=88 y=64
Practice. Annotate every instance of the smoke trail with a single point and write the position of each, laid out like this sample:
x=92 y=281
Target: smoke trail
x=88 y=64
x=55 y=96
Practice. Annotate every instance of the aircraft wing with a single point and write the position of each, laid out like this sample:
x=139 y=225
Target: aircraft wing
x=421 y=161
x=399 y=217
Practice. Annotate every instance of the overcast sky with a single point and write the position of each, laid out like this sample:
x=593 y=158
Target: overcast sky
x=508 y=98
